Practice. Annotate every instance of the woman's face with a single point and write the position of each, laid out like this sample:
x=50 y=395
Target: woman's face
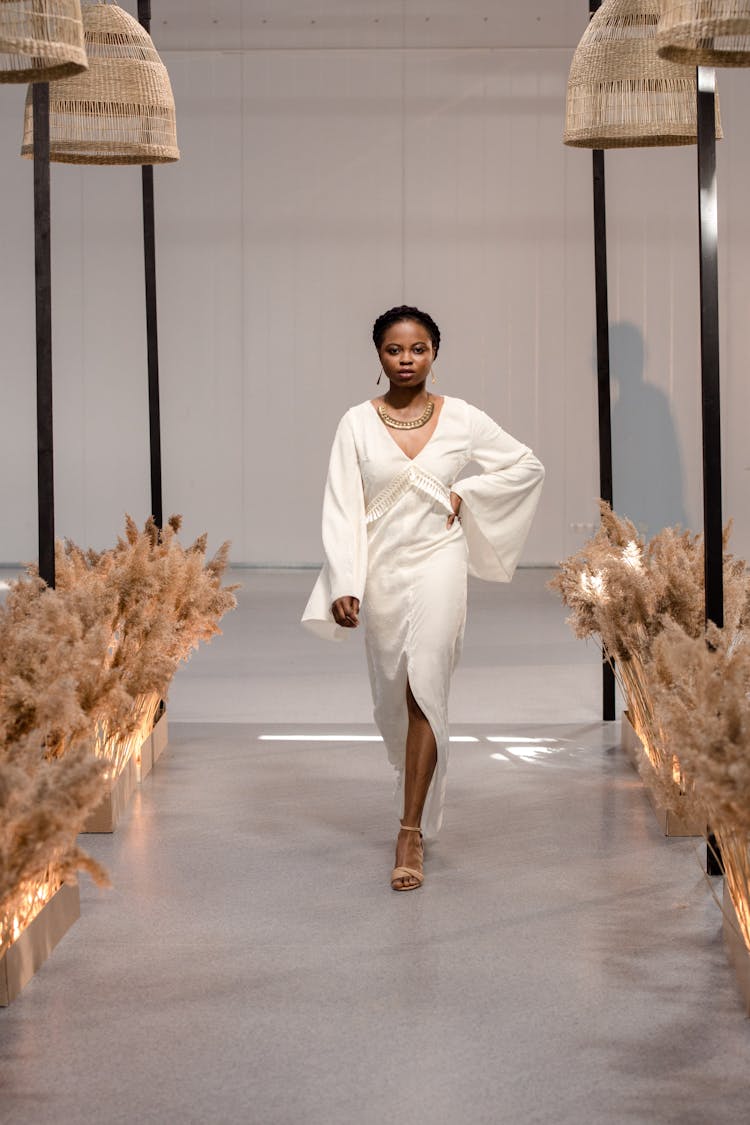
x=406 y=353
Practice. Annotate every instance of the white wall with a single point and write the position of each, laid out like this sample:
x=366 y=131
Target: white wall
x=316 y=188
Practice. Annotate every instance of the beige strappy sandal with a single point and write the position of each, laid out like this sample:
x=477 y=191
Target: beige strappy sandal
x=407 y=872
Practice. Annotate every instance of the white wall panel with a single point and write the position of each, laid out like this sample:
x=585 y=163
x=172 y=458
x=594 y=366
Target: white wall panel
x=373 y=24
x=316 y=188
x=734 y=263
x=200 y=290
x=655 y=346
x=18 y=509
x=100 y=389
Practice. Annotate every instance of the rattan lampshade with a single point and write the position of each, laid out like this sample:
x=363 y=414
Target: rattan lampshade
x=40 y=40
x=620 y=93
x=122 y=110
x=705 y=32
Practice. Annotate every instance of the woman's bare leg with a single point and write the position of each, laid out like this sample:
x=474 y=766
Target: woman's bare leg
x=421 y=759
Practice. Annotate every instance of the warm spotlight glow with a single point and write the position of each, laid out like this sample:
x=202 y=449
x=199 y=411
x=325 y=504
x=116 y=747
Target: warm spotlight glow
x=593 y=584
x=631 y=555
x=117 y=747
x=23 y=908
x=649 y=750
x=736 y=860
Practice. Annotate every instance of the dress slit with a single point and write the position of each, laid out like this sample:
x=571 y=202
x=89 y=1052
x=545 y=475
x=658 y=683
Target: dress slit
x=432 y=812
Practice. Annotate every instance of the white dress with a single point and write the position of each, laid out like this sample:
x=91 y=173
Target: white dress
x=386 y=543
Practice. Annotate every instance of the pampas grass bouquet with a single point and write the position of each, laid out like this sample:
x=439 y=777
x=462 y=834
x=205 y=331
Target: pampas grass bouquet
x=83 y=670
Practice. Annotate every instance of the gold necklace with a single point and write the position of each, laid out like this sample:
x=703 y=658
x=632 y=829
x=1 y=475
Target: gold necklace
x=413 y=423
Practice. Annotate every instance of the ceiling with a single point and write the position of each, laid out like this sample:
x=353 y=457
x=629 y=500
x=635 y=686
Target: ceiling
x=351 y=24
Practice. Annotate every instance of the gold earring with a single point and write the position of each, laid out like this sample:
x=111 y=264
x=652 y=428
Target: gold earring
x=432 y=372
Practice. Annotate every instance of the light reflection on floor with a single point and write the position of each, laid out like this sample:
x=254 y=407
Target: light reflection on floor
x=518 y=748
x=525 y=753
x=319 y=738
x=517 y=738
x=344 y=738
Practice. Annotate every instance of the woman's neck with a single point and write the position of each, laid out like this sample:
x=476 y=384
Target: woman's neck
x=400 y=398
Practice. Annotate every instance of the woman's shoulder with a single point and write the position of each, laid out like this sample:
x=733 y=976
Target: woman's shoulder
x=460 y=408
x=461 y=404
x=354 y=414
x=468 y=409
x=360 y=407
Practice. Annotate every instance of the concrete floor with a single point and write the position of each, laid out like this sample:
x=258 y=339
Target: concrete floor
x=563 y=962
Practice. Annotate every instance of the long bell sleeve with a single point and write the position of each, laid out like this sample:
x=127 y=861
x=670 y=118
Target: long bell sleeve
x=344 y=536
x=498 y=504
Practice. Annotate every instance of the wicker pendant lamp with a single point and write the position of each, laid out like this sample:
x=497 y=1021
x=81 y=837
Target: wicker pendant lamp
x=40 y=40
x=705 y=32
x=620 y=93
x=122 y=110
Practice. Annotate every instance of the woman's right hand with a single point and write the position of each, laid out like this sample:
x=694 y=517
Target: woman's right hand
x=346 y=612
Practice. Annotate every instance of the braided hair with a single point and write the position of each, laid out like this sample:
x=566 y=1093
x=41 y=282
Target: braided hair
x=405 y=312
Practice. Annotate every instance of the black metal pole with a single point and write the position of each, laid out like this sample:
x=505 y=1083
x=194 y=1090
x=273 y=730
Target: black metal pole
x=602 y=366
x=602 y=328
x=152 y=344
x=43 y=286
x=603 y=384
x=710 y=382
x=713 y=541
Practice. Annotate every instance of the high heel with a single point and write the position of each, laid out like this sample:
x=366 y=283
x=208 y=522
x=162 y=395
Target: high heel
x=407 y=872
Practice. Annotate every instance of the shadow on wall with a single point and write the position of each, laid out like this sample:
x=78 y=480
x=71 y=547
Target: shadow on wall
x=646 y=463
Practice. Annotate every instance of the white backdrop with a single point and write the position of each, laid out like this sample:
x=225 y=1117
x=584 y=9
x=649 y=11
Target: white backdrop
x=317 y=188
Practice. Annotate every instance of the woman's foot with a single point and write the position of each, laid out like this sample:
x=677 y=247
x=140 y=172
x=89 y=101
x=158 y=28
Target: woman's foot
x=407 y=875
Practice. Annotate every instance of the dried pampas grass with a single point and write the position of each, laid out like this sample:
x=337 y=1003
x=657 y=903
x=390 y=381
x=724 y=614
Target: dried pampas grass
x=83 y=669
x=700 y=688
x=56 y=677
x=94 y=656
x=52 y=670
x=43 y=805
x=623 y=589
x=625 y=592
x=167 y=599
x=687 y=687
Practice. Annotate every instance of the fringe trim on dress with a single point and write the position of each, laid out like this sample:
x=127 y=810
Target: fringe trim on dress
x=413 y=477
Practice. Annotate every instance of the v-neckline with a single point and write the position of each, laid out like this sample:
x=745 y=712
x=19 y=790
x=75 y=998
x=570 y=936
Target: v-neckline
x=391 y=438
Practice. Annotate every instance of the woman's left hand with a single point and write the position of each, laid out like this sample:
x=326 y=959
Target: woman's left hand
x=456 y=505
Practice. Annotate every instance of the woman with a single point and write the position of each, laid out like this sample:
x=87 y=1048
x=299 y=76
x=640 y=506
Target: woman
x=398 y=525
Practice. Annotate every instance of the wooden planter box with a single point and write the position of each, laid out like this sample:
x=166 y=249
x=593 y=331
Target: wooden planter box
x=29 y=952
x=739 y=954
x=159 y=736
x=144 y=758
x=105 y=816
x=670 y=823
x=154 y=746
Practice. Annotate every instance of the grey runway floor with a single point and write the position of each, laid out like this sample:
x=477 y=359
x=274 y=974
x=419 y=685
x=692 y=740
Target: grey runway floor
x=563 y=962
